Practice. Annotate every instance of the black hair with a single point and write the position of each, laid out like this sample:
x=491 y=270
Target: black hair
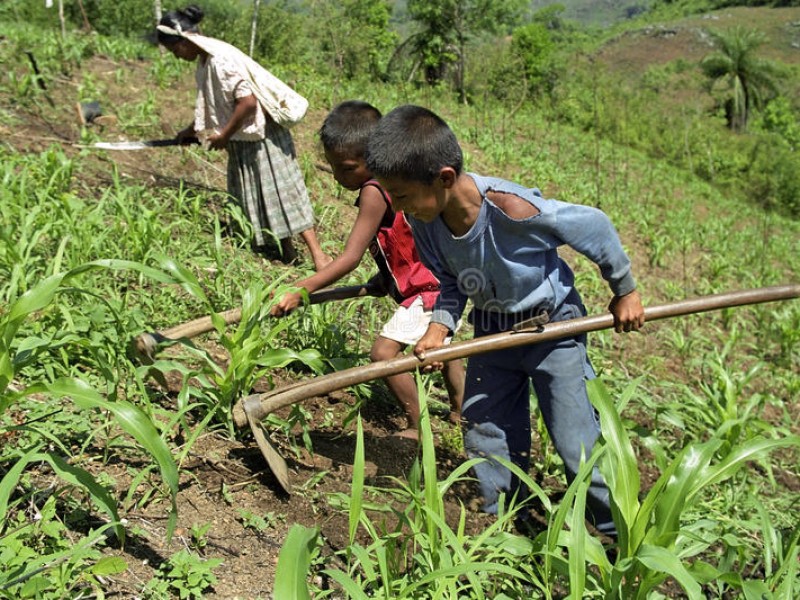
x=183 y=19
x=348 y=127
x=414 y=144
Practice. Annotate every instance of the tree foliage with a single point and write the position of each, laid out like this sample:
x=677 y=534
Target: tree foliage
x=697 y=6
x=355 y=35
x=750 y=79
x=445 y=27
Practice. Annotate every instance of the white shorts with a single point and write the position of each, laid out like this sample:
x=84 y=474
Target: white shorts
x=408 y=325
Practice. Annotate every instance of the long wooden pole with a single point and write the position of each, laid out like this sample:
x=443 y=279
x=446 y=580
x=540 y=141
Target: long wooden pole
x=257 y=406
x=144 y=345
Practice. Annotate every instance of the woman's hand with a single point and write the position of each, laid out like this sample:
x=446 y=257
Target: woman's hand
x=217 y=141
x=628 y=312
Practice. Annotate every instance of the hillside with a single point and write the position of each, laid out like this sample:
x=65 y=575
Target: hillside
x=636 y=50
x=720 y=386
x=598 y=13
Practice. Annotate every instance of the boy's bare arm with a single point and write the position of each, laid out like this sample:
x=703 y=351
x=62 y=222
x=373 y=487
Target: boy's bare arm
x=370 y=214
x=628 y=312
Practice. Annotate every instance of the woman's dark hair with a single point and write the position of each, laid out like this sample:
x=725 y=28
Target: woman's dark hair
x=413 y=144
x=183 y=19
x=348 y=126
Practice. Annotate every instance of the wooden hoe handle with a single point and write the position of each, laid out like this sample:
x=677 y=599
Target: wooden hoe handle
x=257 y=406
x=144 y=345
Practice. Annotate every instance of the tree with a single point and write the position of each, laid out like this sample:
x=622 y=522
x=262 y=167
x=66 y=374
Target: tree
x=750 y=79
x=445 y=27
x=355 y=35
x=533 y=44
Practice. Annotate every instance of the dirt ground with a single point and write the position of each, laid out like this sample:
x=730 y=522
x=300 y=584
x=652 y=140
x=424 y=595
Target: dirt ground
x=226 y=483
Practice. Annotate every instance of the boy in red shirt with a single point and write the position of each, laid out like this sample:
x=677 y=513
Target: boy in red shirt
x=386 y=234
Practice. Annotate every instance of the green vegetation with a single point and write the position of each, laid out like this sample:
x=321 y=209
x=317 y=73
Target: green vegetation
x=749 y=79
x=699 y=415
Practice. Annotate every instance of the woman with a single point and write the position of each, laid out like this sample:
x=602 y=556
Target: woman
x=241 y=107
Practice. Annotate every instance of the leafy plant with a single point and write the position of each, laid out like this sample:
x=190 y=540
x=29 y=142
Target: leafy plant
x=653 y=542
x=184 y=575
x=412 y=551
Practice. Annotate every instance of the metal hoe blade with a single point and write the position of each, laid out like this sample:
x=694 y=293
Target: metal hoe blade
x=272 y=456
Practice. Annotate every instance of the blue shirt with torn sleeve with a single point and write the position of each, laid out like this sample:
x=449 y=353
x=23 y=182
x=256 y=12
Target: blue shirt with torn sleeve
x=512 y=266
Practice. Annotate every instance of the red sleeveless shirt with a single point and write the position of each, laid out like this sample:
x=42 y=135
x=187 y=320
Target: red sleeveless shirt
x=396 y=256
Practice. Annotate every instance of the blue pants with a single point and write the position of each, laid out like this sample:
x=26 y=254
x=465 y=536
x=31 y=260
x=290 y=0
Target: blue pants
x=496 y=411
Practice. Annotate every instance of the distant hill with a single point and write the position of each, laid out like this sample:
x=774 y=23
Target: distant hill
x=597 y=12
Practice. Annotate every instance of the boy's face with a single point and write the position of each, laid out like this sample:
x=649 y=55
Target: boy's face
x=422 y=201
x=350 y=171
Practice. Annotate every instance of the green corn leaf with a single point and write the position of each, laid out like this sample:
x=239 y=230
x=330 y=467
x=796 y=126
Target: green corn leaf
x=134 y=422
x=357 y=488
x=294 y=561
x=691 y=465
x=382 y=556
x=737 y=457
x=433 y=501
x=35 y=299
x=621 y=467
x=82 y=478
x=352 y=589
x=184 y=277
x=10 y=479
x=280 y=357
x=576 y=551
x=129 y=265
x=663 y=561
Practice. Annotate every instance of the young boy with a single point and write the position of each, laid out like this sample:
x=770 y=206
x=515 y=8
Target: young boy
x=495 y=242
x=382 y=230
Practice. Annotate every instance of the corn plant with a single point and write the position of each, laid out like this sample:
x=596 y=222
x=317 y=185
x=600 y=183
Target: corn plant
x=254 y=348
x=16 y=352
x=412 y=552
x=421 y=556
x=654 y=544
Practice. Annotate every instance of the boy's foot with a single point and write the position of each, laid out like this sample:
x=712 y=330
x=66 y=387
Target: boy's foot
x=454 y=417
x=409 y=434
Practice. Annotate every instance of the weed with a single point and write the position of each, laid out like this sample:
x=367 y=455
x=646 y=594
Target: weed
x=185 y=575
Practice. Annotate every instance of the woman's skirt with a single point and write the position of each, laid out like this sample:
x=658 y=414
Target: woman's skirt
x=266 y=180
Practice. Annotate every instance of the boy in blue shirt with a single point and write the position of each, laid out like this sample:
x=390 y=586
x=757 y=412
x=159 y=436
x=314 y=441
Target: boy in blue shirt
x=495 y=242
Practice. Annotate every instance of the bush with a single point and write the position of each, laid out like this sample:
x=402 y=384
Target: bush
x=774 y=176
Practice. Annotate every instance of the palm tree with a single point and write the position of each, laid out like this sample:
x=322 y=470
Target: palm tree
x=750 y=79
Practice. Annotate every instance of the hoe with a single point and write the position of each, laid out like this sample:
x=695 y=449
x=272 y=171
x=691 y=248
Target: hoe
x=145 y=345
x=252 y=409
